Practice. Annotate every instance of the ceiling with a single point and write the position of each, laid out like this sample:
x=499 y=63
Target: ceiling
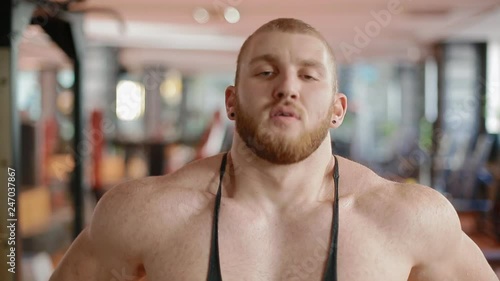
x=165 y=32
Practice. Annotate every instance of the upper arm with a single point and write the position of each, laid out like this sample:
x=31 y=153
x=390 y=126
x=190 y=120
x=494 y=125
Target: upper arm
x=446 y=252
x=83 y=261
x=79 y=262
x=101 y=251
x=466 y=262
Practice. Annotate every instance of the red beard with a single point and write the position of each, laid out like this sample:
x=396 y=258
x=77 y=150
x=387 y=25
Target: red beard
x=272 y=146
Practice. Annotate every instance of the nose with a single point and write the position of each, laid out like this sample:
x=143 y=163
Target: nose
x=287 y=87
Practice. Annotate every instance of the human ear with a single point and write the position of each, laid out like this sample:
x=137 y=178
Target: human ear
x=230 y=102
x=339 y=110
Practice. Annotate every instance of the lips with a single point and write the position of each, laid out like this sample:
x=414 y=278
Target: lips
x=284 y=112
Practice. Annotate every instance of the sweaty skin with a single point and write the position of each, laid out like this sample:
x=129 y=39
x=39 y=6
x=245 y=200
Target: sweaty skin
x=275 y=219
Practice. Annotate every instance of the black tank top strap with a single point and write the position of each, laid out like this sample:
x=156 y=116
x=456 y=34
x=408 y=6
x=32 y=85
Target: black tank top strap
x=331 y=267
x=214 y=272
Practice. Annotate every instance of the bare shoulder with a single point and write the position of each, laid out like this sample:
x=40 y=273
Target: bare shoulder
x=419 y=221
x=128 y=220
x=409 y=212
x=369 y=190
x=135 y=202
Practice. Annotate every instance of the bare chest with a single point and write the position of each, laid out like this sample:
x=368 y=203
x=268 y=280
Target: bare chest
x=257 y=250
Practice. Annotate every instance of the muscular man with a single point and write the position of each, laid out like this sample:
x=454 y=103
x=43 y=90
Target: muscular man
x=278 y=206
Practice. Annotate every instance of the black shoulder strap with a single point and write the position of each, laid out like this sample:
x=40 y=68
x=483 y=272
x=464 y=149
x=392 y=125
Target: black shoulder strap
x=214 y=273
x=331 y=267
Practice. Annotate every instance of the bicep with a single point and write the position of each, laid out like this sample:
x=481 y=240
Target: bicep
x=442 y=251
x=87 y=260
x=468 y=263
x=471 y=262
x=464 y=261
x=100 y=252
x=80 y=262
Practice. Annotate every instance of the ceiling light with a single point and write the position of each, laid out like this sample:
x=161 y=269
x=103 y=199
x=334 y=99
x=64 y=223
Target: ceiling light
x=130 y=100
x=232 y=15
x=171 y=88
x=201 y=15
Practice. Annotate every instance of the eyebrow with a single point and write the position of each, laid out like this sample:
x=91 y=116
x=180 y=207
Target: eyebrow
x=312 y=63
x=303 y=63
x=265 y=57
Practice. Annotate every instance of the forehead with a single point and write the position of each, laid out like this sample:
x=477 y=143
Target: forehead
x=287 y=46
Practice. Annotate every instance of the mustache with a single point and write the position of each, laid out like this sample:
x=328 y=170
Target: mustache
x=269 y=106
x=287 y=103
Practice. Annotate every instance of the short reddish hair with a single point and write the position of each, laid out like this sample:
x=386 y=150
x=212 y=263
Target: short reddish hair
x=289 y=25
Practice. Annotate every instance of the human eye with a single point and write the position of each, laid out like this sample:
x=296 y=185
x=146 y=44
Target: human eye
x=309 y=74
x=309 y=77
x=265 y=73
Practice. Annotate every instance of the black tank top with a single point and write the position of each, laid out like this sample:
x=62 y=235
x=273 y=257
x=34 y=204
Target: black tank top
x=214 y=272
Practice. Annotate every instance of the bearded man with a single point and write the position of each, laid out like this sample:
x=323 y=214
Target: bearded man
x=279 y=205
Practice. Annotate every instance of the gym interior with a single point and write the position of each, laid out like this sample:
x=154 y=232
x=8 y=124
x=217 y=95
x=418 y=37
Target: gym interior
x=96 y=93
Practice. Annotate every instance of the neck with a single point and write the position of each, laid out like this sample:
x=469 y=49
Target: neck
x=281 y=188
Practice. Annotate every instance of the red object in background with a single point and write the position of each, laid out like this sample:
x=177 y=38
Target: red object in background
x=49 y=142
x=97 y=140
x=211 y=140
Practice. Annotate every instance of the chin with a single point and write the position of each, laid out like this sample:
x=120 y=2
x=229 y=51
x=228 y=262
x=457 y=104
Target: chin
x=280 y=134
